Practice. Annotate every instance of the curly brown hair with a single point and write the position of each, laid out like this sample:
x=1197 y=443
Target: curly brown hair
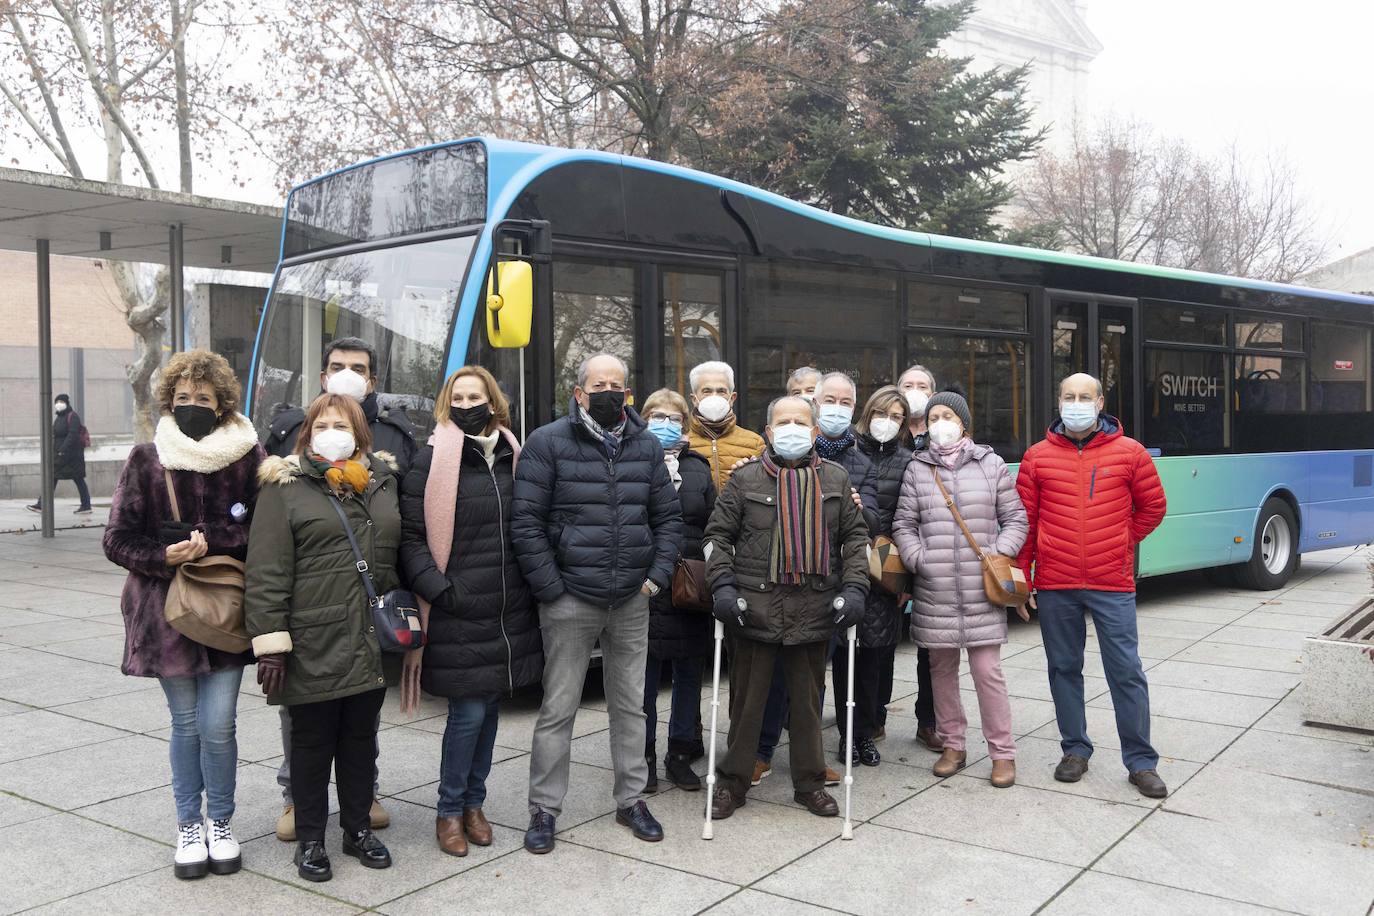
x=200 y=366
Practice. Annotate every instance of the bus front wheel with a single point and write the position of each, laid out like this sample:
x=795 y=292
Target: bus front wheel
x=1275 y=554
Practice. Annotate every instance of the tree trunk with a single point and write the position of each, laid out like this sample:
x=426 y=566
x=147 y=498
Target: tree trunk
x=183 y=112
x=145 y=319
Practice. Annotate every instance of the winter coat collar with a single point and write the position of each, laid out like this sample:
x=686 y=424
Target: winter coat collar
x=873 y=448
x=976 y=453
x=225 y=444
x=1109 y=428
x=281 y=471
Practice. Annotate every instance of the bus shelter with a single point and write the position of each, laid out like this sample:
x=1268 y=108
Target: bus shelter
x=56 y=215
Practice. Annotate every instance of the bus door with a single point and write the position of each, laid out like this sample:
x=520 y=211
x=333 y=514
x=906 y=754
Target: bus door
x=1098 y=335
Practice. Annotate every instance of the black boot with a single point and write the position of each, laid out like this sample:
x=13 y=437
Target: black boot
x=366 y=848
x=312 y=862
x=678 y=767
x=652 y=785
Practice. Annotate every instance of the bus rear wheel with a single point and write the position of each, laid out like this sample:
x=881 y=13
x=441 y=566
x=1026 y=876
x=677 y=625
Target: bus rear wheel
x=1275 y=555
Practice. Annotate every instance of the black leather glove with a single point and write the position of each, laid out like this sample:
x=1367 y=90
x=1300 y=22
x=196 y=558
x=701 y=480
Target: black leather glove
x=170 y=532
x=272 y=674
x=848 y=607
x=727 y=606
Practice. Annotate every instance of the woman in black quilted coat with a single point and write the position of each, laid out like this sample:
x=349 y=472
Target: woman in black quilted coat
x=879 y=433
x=482 y=626
x=679 y=636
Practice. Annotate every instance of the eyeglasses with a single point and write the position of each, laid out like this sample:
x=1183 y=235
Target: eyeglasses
x=669 y=417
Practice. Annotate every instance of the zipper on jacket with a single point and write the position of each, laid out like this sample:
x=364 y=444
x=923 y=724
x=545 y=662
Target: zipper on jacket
x=501 y=521
x=615 y=533
x=1092 y=484
x=715 y=461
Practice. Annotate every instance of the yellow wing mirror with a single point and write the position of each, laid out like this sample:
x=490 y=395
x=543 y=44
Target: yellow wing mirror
x=510 y=304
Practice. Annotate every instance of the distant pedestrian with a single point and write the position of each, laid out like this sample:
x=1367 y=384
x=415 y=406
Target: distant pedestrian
x=1091 y=494
x=69 y=441
x=208 y=453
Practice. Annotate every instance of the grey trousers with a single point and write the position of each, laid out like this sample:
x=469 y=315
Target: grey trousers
x=284 y=771
x=571 y=628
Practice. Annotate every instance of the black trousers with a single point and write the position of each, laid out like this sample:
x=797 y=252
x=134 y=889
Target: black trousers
x=925 y=694
x=872 y=667
x=341 y=732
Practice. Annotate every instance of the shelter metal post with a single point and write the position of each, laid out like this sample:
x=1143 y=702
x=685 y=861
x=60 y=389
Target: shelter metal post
x=175 y=265
x=45 y=443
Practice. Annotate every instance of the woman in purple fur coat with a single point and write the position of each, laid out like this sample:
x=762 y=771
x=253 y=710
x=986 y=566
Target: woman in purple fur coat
x=213 y=454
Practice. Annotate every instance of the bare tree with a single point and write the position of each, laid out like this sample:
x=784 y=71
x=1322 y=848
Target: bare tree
x=118 y=69
x=1120 y=191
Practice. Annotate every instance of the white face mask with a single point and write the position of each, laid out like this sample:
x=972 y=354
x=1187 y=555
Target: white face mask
x=916 y=400
x=945 y=432
x=714 y=408
x=333 y=444
x=347 y=383
x=883 y=429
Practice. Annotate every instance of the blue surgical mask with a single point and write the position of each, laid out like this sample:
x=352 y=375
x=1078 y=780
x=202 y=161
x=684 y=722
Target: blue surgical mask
x=835 y=419
x=1079 y=416
x=666 y=432
x=792 y=441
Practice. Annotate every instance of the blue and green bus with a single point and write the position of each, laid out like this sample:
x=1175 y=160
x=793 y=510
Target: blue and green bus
x=1254 y=397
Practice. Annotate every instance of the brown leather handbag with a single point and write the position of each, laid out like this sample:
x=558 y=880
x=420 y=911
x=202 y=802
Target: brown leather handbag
x=205 y=600
x=1003 y=579
x=690 y=590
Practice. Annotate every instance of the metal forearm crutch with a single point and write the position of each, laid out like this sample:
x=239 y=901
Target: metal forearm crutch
x=847 y=832
x=706 y=829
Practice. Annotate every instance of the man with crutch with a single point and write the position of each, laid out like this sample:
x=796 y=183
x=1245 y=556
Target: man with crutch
x=786 y=556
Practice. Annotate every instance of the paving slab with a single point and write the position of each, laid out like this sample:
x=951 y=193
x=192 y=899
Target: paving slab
x=1333 y=763
x=1240 y=635
x=416 y=860
x=571 y=880
x=750 y=902
x=1257 y=866
x=752 y=843
x=16 y=810
x=1023 y=819
x=53 y=680
x=39 y=732
x=1288 y=717
x=1094 y=893
x=84 y=775
x=1273 y=620
x=1200 y=705
x=142 y=710
x=1289 y=807
x=104 y=650
x=30 y=849
x=1181 y=739
x=161 y=892
x=1250 y=682
x=1212 y=652
x=1198 y=611
x=938 y=875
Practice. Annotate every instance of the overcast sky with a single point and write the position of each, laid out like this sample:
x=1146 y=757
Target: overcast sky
x=1292 y=75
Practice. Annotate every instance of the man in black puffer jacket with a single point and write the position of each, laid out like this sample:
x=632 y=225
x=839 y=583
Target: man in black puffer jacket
x=596 y=528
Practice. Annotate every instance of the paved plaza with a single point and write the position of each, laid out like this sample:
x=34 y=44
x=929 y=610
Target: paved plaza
x=1266 y=814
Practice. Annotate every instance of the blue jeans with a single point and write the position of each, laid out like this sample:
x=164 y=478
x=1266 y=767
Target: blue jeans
x=1065 y=634
x=686 y=706
x=204 y=749
x=465 y=758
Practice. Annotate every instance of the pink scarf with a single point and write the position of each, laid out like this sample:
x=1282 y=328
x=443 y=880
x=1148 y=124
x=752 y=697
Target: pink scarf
x=441 y=492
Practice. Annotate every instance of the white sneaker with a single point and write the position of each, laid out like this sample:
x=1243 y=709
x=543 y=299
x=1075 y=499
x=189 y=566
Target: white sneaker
x=192 y=856
x=225 y=857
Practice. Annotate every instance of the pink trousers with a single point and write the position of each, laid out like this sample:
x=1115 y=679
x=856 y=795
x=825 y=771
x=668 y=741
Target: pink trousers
x=985 y=664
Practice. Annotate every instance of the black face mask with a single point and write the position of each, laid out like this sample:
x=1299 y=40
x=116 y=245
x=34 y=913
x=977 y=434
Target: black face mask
x=605 y=407
x=471 y=420
x=193 y=420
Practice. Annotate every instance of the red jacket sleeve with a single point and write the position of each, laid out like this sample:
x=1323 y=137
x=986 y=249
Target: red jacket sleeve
x=1028 y=488
x=1147 y=497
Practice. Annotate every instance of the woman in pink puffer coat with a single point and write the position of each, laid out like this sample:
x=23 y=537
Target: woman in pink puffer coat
x=950 y=609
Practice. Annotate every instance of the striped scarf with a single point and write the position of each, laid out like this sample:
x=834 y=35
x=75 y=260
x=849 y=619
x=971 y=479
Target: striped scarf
x=801 y=541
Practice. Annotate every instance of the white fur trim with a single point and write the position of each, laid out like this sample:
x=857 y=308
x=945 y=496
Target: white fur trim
x=225 y=444
x=271 y=643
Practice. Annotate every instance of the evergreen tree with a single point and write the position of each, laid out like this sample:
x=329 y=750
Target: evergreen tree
x=850 y=106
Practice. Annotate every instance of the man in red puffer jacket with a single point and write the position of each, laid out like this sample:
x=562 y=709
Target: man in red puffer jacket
x=1091 y=494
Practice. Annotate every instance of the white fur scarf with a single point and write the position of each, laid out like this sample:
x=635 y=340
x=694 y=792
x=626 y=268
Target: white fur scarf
x=225 y=444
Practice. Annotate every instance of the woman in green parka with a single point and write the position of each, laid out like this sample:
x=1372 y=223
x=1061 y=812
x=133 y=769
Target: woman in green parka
x=307 y=611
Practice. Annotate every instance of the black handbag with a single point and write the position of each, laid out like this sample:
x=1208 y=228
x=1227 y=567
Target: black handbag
x=395 y=615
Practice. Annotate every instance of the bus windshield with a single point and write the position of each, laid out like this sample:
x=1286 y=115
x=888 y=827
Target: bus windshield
x=400 y=299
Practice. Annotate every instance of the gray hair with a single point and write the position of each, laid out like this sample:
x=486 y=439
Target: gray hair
x=811 y=405
x=804 y=372
x=712 y=367
x=917 y=367
x=582 y=368
x=842 y=375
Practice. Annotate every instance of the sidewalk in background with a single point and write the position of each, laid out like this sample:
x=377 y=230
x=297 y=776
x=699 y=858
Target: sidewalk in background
x=15 y=518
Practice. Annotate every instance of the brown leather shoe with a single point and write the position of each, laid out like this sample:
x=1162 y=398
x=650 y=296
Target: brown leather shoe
x=476 y=827
x=926 y=735
x=819 y=803
x=761 y=772
x=1149 y=784
x=831 y=777
x=449 y=832
x=724 y=802
x=950 y=762
x=1003 y=774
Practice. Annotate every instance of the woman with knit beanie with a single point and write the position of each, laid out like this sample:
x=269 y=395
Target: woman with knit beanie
x=950 y=608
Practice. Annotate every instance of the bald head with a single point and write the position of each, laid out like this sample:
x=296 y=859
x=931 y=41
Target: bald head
x=1080 y=383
